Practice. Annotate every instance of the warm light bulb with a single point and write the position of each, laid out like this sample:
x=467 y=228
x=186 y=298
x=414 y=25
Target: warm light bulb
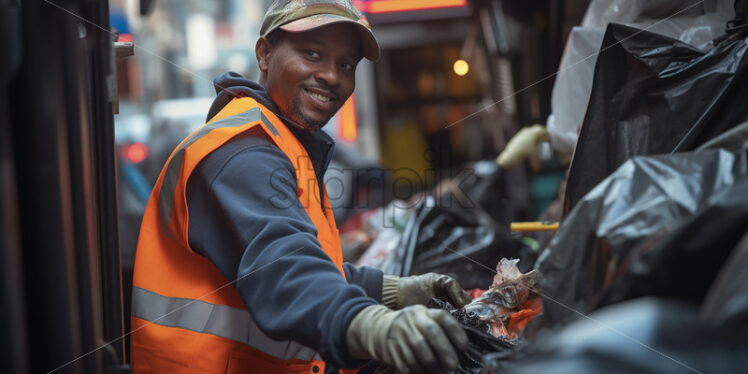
x=461 y=67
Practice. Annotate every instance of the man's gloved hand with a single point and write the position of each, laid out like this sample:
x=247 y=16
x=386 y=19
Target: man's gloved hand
x=524 y=146
x=400 y=292
x=414 y=339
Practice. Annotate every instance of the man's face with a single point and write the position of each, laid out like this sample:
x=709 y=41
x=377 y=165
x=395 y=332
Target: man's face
x=311 y=74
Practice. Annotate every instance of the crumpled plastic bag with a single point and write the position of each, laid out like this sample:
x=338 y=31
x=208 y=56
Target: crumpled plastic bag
x=617 y=230
x=459 y=230
x=683 y=264
x=641 y=336
x=481 y=342
x=451 y=241
x=510 y=303
x=494 y=321
x=726 y=303
x=511 y=294
x=698 y=26
x=655 y=95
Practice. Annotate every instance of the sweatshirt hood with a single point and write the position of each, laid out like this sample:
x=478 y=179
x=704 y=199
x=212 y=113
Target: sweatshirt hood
x=231 y=85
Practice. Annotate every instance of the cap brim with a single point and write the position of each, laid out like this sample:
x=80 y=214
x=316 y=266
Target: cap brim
x=370 y=45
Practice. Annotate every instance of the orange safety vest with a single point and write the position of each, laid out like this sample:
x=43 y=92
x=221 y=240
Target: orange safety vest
x=186 y=317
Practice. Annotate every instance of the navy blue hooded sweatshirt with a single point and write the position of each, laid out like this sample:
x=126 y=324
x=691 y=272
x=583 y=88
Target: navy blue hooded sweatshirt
x=288 y=283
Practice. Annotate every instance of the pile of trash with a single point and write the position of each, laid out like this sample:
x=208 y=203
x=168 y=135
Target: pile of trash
x=651 y=255
x=510 y=303
x=495 y=320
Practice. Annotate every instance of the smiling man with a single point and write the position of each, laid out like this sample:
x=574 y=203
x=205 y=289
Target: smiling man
x=305 y=90
x=239 y=267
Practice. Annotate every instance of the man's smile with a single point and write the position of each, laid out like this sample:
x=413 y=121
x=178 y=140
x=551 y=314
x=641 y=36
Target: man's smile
x=320 y=100
x=320 y=95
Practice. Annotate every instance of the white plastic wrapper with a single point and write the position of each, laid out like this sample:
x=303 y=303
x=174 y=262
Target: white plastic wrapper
x=601 y=12
x=697 y=26
x=571 y=91
x=379 y=253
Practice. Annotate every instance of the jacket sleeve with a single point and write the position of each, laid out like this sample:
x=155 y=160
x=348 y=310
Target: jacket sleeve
x=370 y=279
x=240 y=218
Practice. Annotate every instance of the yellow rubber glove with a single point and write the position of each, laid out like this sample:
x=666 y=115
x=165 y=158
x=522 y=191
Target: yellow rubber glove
x=414 y=339
x=524 y=147
x=399 y=292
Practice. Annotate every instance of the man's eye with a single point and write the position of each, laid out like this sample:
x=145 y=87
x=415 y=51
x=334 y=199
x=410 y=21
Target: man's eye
x=312 y=53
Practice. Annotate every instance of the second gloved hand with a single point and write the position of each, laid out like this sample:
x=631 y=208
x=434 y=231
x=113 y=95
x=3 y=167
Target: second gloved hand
x=524 y=147
x=399 y=292
x=414 y=339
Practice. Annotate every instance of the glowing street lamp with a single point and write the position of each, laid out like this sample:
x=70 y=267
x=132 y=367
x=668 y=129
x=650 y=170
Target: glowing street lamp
x=461 y=67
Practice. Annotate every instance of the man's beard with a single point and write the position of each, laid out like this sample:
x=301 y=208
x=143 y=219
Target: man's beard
x=302 y=121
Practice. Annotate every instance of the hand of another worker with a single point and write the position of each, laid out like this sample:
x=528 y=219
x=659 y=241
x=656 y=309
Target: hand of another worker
x=399 y=292
x=414 y=339
x=524 y=147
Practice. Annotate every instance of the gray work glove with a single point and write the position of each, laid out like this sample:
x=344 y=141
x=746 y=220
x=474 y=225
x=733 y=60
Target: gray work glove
x=414 y=339
x=400 y=292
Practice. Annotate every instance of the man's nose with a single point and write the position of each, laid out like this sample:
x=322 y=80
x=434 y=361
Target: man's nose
x=328 y=74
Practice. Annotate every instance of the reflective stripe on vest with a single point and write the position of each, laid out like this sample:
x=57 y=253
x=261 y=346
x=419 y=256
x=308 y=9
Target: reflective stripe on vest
x=215 y=319
x=166 y=196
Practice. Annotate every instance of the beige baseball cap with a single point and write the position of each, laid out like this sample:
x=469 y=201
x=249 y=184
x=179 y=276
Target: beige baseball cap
x=305 y=15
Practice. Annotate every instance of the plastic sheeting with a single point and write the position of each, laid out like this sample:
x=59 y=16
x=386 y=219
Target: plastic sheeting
x=620 y=226
x=696 y=25
x=653 y=95
x=641 y=336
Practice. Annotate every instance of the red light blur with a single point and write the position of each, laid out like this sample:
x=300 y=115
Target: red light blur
x=137 y=152
x=391 y=6
x=347 y=127
x=125 y=38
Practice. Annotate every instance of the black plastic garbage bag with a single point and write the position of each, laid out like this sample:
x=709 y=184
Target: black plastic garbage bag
x=624 y=227
x=727 y=301
x=649 y=335
x=640 y=336
x=685 y=263
x=655 y=95
x=494 y=195
x=449 y=240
